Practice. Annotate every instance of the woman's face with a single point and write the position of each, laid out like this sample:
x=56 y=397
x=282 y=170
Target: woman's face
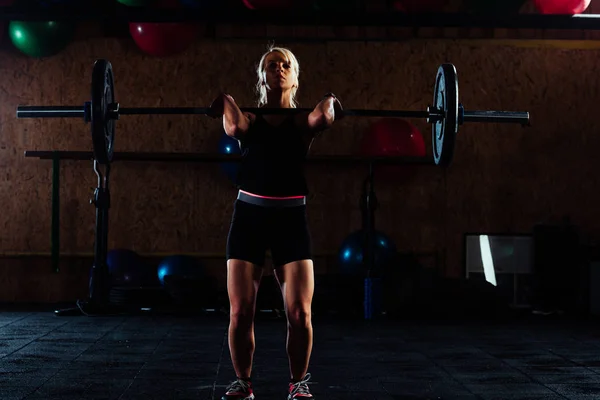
x=279 y=72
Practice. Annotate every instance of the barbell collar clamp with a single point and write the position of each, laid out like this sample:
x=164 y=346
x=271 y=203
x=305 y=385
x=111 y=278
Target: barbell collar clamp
x=113 y=111
x=434 y=115
x=87 y=112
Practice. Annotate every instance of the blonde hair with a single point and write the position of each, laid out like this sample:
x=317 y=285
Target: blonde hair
x=261 y=85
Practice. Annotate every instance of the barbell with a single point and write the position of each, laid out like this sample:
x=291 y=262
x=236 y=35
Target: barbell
x=446 y=114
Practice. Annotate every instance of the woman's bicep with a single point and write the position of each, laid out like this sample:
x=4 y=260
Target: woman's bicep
x=310 y=123
x=239 y=128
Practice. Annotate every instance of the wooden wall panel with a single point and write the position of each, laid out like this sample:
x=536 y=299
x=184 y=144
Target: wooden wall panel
x=504 y=178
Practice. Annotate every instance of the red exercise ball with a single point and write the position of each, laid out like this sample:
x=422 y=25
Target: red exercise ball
x=164 y=39
x=266 y=4
x=393 y=137
x=414 y=6
x=569 y=7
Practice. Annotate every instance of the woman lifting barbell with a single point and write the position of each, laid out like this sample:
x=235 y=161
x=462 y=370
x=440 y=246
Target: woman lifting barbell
x=270 y=213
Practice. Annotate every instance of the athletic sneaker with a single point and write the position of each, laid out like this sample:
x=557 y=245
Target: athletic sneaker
x=239 y=390
x=299 y=390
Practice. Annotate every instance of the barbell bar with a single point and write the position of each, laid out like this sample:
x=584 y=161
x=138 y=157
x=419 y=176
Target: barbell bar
x=79 y=112
x=345 y=160
x=102 y=111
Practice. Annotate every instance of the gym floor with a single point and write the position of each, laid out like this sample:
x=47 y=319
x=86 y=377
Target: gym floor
x=186 y=357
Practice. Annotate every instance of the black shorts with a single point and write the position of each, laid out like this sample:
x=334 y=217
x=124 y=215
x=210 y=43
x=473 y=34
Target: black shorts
x=255 y=229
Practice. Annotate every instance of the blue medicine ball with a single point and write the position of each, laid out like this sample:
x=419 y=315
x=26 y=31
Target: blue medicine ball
x=180 y=267
x=351 y=253
x=229 y=146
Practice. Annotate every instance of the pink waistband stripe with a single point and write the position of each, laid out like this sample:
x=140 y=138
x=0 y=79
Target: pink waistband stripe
x=272 y=198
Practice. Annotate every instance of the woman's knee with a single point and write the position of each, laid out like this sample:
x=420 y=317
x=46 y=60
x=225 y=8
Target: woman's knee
x=299 y=315
x=243 y=279
x=241 y=313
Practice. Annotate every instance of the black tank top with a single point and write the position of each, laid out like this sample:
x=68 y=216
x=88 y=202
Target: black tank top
x=273 y=159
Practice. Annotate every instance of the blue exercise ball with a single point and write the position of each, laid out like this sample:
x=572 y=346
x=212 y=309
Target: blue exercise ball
x=127 y=268
x=351 y=253
x=229 y=146
x=179 y=267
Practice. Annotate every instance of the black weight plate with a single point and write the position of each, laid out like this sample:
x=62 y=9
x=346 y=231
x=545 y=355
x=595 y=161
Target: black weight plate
x=444 y=130
x=103 y=125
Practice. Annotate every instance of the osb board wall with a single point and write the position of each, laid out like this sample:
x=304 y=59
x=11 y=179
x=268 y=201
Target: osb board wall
x=504 y=178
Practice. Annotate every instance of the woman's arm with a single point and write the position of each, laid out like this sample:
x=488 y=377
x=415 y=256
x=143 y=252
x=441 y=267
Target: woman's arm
x=235 y=122
x=324 y=114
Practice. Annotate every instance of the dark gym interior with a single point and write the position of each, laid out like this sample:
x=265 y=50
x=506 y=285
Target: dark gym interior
x=485 y=276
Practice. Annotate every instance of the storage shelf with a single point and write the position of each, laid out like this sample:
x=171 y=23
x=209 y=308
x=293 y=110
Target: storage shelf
x=214 y=17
